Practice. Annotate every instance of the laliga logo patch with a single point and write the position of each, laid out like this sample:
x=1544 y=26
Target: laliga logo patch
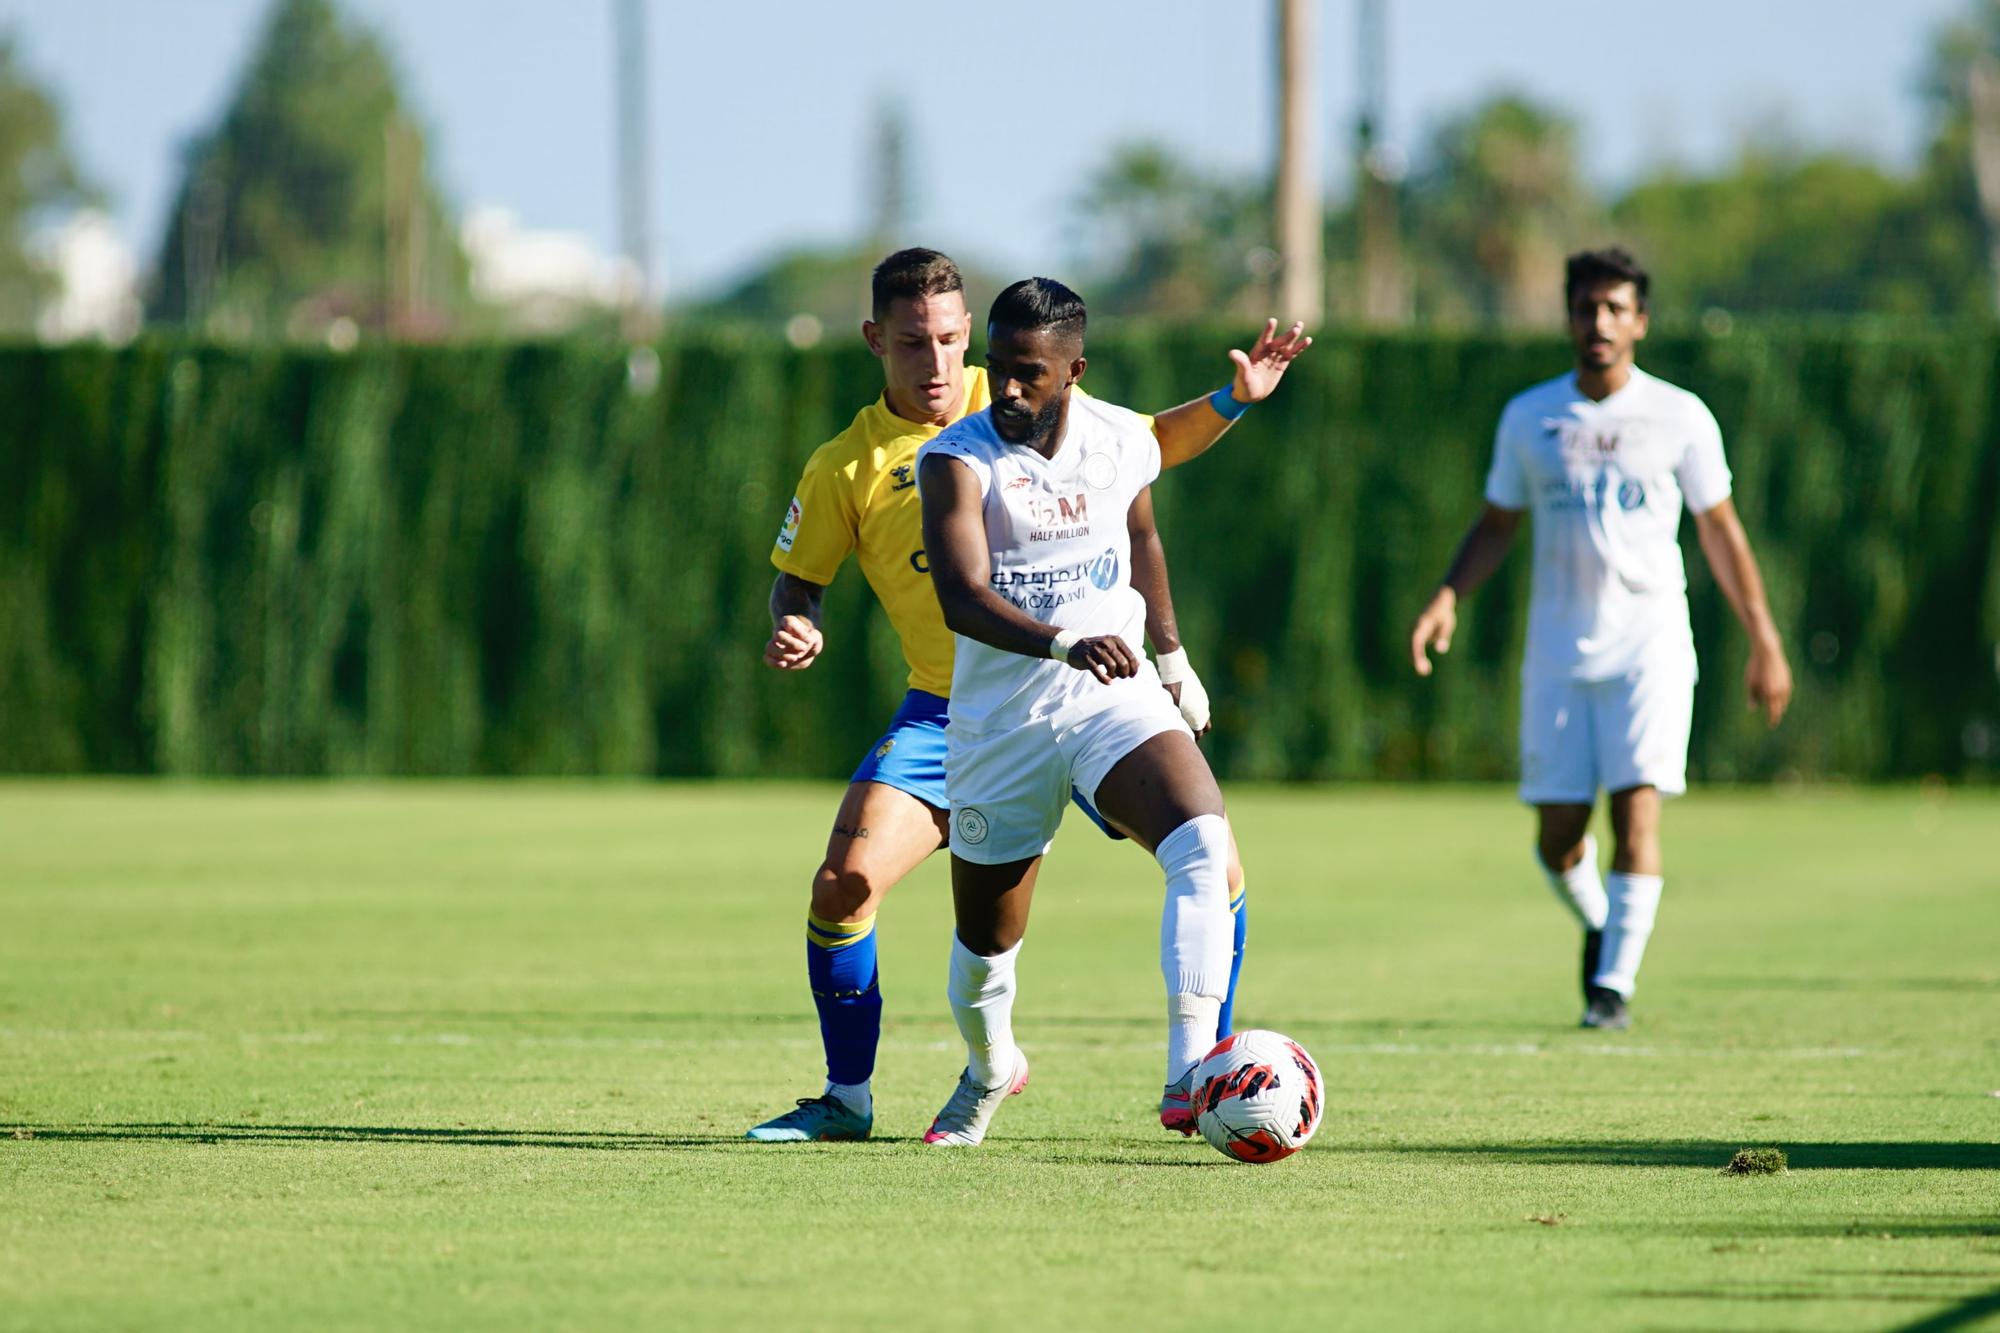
x=1631 y=495
x=1103 y=571
x=971 y=826
x=1100 y=473
x=790 y=531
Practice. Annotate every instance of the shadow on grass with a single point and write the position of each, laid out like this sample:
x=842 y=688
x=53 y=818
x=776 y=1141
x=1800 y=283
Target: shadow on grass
x=460 y=1136
x=21 y=1136
x=1766 y=1295
x=1716 y=1154
x=1973 y=1310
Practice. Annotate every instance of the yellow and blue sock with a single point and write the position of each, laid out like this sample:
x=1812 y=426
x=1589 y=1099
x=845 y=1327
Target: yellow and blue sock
x=1237 y=903
x=840 y=964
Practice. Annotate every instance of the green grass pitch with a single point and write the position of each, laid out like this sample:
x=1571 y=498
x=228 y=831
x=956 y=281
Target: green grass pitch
x=480 y=1056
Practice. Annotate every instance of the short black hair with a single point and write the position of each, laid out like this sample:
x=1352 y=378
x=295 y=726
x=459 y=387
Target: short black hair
x=910 y=275
x=1588 y=268
x=1038 y=303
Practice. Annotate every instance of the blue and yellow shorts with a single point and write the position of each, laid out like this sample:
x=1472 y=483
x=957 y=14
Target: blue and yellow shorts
x=910 y=756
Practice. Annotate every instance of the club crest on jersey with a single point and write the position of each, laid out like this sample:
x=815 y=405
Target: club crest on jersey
x=1631 y=495
x=790 y=532
x=904 y=478
x=1100 y=472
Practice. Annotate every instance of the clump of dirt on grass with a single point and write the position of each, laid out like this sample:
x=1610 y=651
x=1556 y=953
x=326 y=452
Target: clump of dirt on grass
x=1756 y=1162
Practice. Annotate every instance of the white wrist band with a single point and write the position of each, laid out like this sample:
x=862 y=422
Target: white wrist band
x=1064 y=640
x=1173 y=667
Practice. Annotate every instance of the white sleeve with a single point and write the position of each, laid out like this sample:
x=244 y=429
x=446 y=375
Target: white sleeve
x=981 y=468
x=1506 y=479
x=1703 y=473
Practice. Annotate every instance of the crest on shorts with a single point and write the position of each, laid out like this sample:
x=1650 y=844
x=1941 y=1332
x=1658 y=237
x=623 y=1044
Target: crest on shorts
x=971 y=825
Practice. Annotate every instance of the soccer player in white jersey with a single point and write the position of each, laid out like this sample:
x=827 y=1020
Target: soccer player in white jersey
x=1025 y=511
x=1606 y=457
x=858 y=497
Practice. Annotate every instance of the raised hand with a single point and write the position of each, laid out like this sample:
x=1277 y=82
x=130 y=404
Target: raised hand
x=1259 y=370
x=795 y=642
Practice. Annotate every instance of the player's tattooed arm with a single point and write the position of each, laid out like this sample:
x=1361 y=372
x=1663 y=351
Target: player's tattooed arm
x=955 y=545
x=795 y=635
x=1486 y=544
x=1767 y=680
x=1187 y=431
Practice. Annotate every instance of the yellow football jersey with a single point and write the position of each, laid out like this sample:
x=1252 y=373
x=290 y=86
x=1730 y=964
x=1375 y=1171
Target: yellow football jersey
x=859 y=495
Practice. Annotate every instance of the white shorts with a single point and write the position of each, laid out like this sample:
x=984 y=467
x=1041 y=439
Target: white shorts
x=1580 y=736
x=1008 y=789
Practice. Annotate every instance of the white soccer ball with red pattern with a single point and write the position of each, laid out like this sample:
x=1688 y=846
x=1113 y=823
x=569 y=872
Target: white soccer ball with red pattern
x=1257 y=1096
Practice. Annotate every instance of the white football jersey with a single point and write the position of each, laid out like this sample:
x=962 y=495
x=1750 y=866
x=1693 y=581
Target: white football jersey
x=1607 y=482
x=1056 y=537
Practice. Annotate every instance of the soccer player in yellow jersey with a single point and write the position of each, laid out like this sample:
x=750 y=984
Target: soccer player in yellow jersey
x=859 y=496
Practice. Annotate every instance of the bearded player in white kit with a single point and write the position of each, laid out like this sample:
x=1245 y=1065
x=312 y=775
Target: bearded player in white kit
x=1606 y=457
x=1025 y=512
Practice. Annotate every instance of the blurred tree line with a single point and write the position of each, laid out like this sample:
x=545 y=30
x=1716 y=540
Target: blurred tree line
x=1496 y=197
x=311 y=206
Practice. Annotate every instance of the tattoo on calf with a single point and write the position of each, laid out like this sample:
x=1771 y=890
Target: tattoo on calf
x=843 y=831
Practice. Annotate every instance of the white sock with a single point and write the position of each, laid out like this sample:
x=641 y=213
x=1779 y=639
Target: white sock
x=1634 y=902
x=982 y=1000
x=856 y=1097
x=1191 y=1024
x=1197 y=936
x=1580 y=888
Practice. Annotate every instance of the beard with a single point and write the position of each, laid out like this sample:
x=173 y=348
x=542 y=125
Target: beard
x=1020 y=426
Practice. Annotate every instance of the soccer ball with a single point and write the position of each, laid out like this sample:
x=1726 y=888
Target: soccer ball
x=1256 y=1096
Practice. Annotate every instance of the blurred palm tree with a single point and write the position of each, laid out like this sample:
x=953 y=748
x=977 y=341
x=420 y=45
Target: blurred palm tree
x=1497 y=204
x=1157 y=237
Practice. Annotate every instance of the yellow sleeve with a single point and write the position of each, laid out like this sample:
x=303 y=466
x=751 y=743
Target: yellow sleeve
x=821 y=526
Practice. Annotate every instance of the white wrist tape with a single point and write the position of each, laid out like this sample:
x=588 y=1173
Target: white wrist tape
x=1064 y=640
x=1175 y=670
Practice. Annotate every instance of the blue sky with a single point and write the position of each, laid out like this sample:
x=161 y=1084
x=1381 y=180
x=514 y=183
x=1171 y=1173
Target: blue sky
x=761 y=113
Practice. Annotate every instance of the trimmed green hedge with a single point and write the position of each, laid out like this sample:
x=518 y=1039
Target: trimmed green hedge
x=504 y=559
